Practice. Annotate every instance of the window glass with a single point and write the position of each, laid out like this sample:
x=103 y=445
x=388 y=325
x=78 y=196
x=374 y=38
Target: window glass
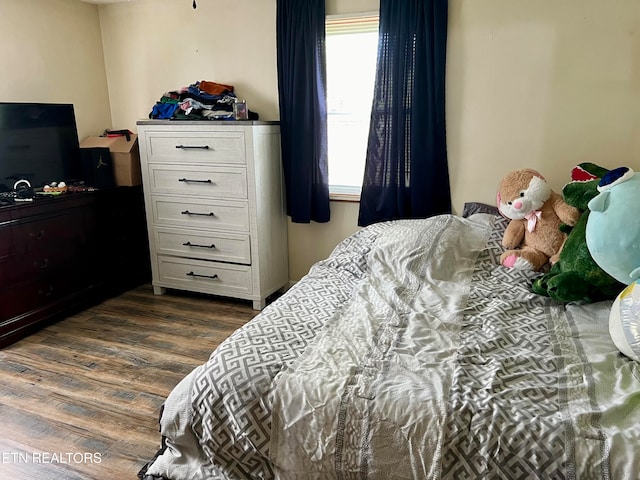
x=351 y=49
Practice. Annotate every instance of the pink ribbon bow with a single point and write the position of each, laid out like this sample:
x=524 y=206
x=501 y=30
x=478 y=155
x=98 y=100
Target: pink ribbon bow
x=532 y=219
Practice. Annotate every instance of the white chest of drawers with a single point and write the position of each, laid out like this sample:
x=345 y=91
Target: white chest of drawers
x=215 y=207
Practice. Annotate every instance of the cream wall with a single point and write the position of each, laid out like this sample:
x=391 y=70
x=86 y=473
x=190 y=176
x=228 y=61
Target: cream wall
x=51 y=51
x=153 y=46
x=542 y=84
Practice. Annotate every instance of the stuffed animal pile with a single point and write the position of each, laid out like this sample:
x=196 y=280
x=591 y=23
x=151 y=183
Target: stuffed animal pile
x=597 y=252
x=576 y=276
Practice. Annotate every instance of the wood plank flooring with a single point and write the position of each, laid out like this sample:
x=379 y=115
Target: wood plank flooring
x=80 y=399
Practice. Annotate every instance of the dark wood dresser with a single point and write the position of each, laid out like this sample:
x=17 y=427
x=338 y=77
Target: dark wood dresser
x=58 y=255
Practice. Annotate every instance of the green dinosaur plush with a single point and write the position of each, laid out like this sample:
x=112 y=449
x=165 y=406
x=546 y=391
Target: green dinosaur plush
x=576 y=276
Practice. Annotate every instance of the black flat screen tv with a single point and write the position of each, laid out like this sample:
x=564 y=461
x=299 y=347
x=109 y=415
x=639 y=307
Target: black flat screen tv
x=38 y=143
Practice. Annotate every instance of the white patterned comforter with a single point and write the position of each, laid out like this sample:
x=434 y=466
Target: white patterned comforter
x=410 y=353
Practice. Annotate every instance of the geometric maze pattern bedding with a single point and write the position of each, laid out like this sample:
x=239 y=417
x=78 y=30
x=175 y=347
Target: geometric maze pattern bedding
x=226 y=401
x=506 y=395
x=510 y=384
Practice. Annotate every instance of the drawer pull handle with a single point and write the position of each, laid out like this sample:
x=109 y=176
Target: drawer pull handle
x=194 y=181
x=37 y=236
x=193 y=147
x=212 y=277
x=189 y=244
x=42 y=265
x=187 y=212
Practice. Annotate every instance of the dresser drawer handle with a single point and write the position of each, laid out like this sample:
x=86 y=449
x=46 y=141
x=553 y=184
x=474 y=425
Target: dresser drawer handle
x=212 y=277
x=193 y=147
x=187 y=212
x=37 y=236
x=194 y=181
x=42 y=265
x=189 y=244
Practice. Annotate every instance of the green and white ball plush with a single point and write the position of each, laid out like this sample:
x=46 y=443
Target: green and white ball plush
x=624 y=321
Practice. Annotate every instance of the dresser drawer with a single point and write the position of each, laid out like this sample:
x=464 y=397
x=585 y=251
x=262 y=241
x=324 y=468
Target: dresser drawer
x=200 y=213
x=205 y=277
x=228 y=182
x=196 y=147
x=21 y=298
x=36 y=235
x=204 y=245
x=57 y=257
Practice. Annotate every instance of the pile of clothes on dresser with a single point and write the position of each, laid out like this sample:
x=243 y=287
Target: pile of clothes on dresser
x=203 y=100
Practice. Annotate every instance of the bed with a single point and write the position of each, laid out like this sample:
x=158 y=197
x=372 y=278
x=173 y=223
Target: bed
x=410 y=353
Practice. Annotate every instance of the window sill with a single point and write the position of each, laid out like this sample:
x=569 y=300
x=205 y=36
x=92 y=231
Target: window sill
x=344 y=197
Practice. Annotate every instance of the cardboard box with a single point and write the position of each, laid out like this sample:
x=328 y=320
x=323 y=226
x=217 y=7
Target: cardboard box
x=124 y=155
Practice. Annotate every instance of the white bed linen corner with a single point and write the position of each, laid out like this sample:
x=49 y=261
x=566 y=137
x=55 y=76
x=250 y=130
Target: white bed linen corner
x=410 y=353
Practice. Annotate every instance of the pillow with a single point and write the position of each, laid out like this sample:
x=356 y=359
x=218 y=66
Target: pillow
x=471 y=208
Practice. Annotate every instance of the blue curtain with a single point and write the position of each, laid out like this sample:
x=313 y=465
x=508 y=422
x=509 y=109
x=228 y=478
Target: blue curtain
x=406 y=172
x=300 y=30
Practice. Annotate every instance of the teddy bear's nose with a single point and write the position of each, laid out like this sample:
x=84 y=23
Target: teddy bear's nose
x=517 y=205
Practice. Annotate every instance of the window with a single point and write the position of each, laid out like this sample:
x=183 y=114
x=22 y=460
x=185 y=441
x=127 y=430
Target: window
x=351 y=50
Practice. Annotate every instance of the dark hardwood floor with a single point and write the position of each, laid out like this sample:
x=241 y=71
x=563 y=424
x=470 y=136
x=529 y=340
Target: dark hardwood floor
x=80 y=398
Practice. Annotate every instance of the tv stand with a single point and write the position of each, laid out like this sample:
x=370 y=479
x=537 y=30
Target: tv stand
x=61 y=254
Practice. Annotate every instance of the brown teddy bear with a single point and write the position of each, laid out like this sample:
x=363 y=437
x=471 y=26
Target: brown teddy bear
x=533 y=237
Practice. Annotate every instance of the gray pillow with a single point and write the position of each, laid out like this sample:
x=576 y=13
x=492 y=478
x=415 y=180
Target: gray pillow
x=476 y=207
